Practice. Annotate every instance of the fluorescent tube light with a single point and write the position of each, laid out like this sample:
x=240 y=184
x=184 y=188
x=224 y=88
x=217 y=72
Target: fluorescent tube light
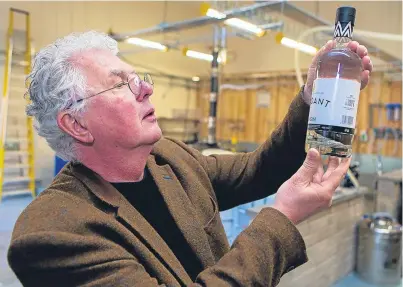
x=297 y=45
x=199 y=55
x=246 y=26
x=147 y=44
x=235 y=22
x=215 y=14
x=195 y=79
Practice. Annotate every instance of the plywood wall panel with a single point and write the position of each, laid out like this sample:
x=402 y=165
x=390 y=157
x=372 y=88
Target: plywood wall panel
x=241 y=105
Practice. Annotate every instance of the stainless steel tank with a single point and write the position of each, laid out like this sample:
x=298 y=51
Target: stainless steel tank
x=379 y=249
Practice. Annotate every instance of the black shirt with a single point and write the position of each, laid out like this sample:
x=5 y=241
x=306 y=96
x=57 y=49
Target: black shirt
x=146 y=199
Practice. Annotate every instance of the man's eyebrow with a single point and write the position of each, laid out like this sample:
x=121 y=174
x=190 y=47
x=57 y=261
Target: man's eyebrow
x=123 y=74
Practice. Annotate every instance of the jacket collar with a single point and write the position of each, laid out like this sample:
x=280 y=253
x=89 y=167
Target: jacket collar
x=178 y=205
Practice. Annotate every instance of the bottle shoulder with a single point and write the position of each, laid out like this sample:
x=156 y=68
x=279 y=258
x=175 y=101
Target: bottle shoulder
x=340 y=62
x=341 y=53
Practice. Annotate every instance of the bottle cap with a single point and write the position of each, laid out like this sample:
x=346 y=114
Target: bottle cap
x=345 y=14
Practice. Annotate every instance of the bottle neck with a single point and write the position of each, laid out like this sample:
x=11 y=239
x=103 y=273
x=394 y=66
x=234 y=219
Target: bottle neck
x=343 y=33
x=342 y=42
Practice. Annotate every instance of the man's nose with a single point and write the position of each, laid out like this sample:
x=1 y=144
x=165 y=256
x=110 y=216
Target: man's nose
x=145 y=91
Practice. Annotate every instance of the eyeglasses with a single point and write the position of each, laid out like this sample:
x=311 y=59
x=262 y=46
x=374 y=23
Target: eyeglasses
x=133 y=82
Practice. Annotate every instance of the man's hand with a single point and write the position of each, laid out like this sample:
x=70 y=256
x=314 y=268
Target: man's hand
x=310 y=189
x=361 y=51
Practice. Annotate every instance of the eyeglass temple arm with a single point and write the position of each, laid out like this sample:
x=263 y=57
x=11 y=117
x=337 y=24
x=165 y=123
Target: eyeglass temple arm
x=80 y=100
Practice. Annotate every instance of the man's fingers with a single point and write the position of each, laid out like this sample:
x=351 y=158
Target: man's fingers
x=362 y=51
x=331 y=166
x=317 y=178
x=308 y=169
x=334 y=179
x=353 y=45
x=367 y=64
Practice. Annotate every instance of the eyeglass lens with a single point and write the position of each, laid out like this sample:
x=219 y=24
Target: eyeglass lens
x=148 y=79
x=135 y=84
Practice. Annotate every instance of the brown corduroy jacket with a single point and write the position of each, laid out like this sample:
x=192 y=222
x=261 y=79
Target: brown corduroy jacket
x=82 y=232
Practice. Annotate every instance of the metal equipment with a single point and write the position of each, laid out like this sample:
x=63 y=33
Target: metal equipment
x=355 y=170
x=17 y=174
x=214 y=89
x=388 y=193
x=379 y=249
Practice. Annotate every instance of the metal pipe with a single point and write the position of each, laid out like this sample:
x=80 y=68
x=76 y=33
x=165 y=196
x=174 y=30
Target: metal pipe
x=224 y=35
x=224 y=43
x=246 y=36
x=211 y=124
x=205 y=38
x=195 y=22
x=272 y=26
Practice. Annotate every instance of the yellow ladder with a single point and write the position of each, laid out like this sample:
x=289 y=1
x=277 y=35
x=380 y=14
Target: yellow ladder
x=17 y=174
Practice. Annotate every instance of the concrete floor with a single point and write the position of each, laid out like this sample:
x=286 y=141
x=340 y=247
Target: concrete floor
x=10 y=209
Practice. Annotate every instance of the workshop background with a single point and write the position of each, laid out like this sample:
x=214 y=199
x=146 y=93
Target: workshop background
x=262 y=68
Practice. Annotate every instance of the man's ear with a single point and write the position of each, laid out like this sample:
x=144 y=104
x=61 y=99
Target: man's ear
x=74 y=127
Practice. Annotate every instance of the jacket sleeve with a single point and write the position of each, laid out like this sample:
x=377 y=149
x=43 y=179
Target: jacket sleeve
x=260 y=255
x=245 y=177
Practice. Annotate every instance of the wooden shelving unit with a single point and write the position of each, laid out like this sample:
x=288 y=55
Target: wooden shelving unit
x=184 y=129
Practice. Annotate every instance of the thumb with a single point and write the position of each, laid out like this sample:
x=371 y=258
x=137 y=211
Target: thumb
x=310 y=166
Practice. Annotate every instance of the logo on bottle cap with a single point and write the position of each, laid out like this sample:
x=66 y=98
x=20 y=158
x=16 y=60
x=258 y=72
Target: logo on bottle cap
x=346 y=31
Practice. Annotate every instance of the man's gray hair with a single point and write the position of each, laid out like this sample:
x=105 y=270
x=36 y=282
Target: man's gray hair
x=56 y=83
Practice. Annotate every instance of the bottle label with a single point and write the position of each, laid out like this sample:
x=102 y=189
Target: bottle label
x=334 y=104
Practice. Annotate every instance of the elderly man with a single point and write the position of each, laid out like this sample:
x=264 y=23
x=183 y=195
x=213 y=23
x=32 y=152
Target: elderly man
x=134 y=209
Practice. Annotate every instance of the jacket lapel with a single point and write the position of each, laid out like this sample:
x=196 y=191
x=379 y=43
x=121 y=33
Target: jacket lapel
x=131 y=217
x=182 y=211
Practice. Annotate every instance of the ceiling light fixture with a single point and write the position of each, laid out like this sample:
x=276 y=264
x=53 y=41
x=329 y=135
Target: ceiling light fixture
x=233 y=22
x=215 y=14
x=147 y=44
x=199 y=55
x=295 y=45
x=205 y=9
x=246 y=26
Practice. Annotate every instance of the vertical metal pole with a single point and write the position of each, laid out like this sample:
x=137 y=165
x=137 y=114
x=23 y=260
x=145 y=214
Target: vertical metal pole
x=223 y=44
x=211 y=138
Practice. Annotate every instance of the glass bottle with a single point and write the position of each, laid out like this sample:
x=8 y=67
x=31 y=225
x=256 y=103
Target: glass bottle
x=335 y=93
